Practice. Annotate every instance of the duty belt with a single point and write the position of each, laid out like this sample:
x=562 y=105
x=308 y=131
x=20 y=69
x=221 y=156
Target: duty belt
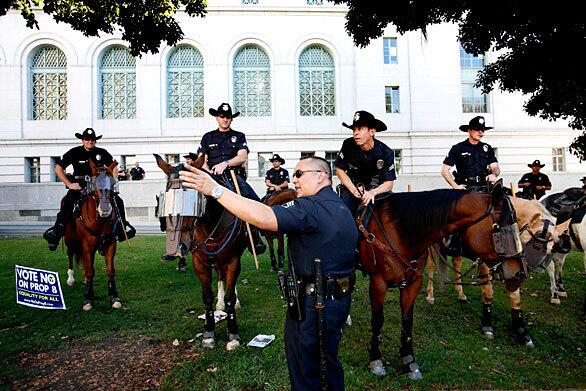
x=335 y=287
x=474 y=179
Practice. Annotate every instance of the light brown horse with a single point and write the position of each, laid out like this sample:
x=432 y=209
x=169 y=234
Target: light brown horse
x=217 y=241
x=95 y=229
x=277 y=198
x=535 y=225
x=393 y=251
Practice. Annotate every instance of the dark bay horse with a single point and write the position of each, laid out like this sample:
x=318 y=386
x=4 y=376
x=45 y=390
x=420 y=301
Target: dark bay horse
x=393 y=251
x=95 y=229
x=277 y=198
x=216 y=241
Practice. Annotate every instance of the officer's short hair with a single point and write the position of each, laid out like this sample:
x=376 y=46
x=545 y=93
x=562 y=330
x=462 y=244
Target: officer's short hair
x=321 y=163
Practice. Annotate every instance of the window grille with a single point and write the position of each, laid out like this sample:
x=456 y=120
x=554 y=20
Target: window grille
x=252 y=82
x=390 y=50
x=185 y=83
x=558 y=159
x=317 y=95
x=49 y=84
x=117 y=84
x=32 y=171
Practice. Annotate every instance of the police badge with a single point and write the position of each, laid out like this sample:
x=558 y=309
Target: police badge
x=225 y=107
x=233 y=139
x=98 y=157
x=356 y=116
x=485 y=148
x=379 y=164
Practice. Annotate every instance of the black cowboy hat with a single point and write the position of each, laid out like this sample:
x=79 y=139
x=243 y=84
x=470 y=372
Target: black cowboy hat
x=88 y=134
x=583 y=178
x=224 y=109
x=191 y=156
x=536 y=163
x=364 y=118
x=277 y=158
x=476 y=123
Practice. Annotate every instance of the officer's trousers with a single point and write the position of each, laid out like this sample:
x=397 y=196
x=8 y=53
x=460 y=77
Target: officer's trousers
x=349 y=200
x=302 y=345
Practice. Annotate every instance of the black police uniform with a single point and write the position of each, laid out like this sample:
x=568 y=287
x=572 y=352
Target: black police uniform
x=370 y=168
x=137 y=173
x=472 y=162
x=531 y=191
x=79 y=158
x=319 y=226
x=277 y=177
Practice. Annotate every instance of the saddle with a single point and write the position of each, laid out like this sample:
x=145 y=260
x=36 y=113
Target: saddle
x=571 y=204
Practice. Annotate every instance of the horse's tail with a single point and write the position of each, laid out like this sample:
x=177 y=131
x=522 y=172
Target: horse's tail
x=440 y=258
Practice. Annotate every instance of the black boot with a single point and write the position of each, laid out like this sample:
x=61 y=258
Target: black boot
x=53 y=235
x=259 y=245
x=130 y=232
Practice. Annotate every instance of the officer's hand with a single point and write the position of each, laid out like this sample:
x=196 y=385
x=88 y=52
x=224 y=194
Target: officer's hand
x=368 y=197
x=491 y=178
x=74 y=186
x=219 y=168
x=459 y=187
x=194 y=178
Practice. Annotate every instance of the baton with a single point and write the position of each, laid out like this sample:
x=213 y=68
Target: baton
x=319 y=306
x=246 y=222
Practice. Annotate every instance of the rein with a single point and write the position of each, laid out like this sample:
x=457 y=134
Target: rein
x=103 y=238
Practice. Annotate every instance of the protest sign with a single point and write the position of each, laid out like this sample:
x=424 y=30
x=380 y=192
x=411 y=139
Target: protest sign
x=38 y=288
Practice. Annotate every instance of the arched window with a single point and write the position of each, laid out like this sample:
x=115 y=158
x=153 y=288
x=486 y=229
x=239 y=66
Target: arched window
x=49 y=84
x=185 y=83
x=252 y=82
x=317 y=93
x=117 y=84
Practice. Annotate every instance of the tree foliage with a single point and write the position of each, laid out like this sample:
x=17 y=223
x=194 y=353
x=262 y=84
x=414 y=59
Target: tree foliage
x=144 y=24
x=539 y=46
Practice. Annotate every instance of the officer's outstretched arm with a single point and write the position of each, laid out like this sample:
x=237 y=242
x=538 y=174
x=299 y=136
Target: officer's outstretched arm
x=254 y=212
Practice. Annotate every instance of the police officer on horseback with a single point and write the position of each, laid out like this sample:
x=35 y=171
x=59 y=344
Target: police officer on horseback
x=226 y=149
x=475 y=161
x=365 y=165
x=318 y=226
x=534 y=183
x=79 y=158
x=276 y=178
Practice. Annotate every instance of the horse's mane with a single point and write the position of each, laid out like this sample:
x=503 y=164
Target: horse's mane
x=418 y=214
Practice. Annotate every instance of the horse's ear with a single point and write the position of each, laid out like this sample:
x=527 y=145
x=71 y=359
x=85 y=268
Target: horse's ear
x=163 y=165
x=497 y=192
x=563 y=227
x=201 y=159
x=93 y=168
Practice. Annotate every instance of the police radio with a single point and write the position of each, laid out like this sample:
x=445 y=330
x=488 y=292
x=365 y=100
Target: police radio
x=290 y=289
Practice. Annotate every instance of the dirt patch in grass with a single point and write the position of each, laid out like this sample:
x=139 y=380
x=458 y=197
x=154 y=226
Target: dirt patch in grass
x=116 y=364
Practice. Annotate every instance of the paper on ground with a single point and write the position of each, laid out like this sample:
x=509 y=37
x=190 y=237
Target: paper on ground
x=218 y=316
x=261 y=340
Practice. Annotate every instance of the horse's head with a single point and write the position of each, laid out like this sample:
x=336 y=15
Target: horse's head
x=173 y=181
x=101 y=187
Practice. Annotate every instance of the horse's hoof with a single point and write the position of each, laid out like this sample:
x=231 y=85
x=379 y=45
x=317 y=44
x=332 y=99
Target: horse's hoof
x=70 y=281
x=563 y=294
x=117 y=304
x=463 y=299
x=377 y=368
x=87 y=306
x=237 y=306
x=232 y=345
x=208 y=343
x=349 y=321
x=415 y=375
x=529 y=343
x=70 y=278
x=430 y=300
x=488 y=332
x=555 y=301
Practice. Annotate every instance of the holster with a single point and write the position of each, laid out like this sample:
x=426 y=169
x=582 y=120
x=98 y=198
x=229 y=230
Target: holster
x=293 y=294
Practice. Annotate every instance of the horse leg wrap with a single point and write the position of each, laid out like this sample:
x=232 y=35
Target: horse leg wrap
x=89 y=292
x=520 y=329
x=486 y=321
x=231 y=312
x=376 y=324
x=210 y=322
x=113 y=292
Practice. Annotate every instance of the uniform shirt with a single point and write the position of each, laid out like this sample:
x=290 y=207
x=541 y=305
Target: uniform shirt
x=277 y=177
x=136 y=173
x=538 y=179
x=319 y=226
x=79 y=156
x=366 y=167
x=471 y=160
x=222 y=146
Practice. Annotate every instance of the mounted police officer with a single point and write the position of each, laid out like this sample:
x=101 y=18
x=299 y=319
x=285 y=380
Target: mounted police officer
x=225 y=148
x=318 y=226
x=534 y=183
x=365 y=165
x=475 y=161
x=276 y=178
x=79 y=157
x=583 y=180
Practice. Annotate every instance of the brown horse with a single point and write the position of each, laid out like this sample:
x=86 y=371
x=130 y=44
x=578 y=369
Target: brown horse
x=217 y=241
x=277 y=198
x=393 y=251
x=95 y=229
x=536 y=232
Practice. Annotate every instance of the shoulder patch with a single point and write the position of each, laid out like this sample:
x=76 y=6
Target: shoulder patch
x=485 y=148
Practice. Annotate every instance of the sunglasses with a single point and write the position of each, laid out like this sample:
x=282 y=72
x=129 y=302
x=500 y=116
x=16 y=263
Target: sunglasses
x=477 y=130
x=224 y=116
x=299 y=173
x=88 y=139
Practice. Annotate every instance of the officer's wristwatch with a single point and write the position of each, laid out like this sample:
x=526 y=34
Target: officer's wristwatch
x=217 y=192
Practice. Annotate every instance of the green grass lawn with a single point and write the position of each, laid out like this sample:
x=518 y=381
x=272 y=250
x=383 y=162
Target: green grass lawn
x=163 y=304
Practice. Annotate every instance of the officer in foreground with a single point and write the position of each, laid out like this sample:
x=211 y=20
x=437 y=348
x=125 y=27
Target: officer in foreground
x=534 y=183
x=79 y=157
x=319 y=226
x=364 y=161
x=475 y=161
x=227 y=149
